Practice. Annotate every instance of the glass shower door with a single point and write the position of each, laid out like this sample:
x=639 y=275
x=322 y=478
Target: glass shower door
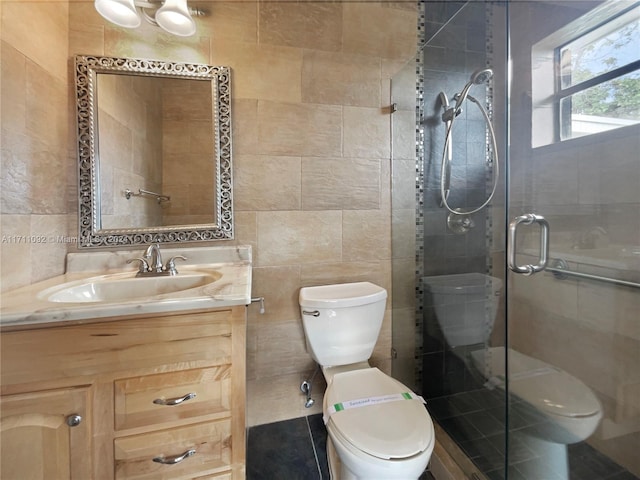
x=572 y=369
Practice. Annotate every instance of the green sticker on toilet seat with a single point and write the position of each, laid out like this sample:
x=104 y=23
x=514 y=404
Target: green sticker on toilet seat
x=364 y=402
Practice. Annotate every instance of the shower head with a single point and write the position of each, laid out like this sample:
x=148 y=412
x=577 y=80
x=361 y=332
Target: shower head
x=478 y=77
x=481 y=76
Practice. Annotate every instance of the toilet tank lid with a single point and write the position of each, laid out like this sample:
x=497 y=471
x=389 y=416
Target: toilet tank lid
x=341 y=295
x=463 y=283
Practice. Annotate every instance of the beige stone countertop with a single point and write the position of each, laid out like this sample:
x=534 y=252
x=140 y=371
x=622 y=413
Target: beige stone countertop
x=28 y=306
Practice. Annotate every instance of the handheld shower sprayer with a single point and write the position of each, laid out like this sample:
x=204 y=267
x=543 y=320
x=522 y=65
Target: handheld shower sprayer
x=478 y=77
x=481 y=76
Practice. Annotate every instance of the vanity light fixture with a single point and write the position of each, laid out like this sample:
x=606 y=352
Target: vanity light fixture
x=173 y=16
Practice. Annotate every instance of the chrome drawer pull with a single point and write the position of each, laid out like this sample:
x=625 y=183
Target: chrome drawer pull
x=314 y=313
x=173 y=460
x=174 y=401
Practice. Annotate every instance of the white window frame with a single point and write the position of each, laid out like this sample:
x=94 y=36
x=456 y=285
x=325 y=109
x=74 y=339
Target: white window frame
x=547 y=90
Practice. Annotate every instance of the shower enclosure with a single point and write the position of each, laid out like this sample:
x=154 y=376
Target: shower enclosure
x=519 y=320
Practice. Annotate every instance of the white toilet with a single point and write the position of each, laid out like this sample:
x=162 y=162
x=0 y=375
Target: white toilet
x=466 y=306
x=573 y=410
x=377 y=428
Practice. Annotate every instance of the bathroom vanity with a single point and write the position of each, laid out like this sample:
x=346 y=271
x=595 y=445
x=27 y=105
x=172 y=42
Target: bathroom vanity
x=145 y=388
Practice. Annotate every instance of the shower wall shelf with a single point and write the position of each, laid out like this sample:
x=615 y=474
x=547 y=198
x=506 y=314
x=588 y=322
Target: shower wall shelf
x=560 y=270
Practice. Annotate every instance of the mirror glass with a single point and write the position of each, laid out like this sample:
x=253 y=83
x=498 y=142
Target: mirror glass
x=154 y=146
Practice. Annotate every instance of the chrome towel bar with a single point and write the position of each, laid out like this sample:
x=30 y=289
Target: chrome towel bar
x=158 y=196
x=560 y=271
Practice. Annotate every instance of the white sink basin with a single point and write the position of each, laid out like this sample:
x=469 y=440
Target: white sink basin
x=126 y=286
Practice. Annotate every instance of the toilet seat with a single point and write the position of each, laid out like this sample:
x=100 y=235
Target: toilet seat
x=562 y=398
x=391 y=430
x=557 y=393
x=547 y=388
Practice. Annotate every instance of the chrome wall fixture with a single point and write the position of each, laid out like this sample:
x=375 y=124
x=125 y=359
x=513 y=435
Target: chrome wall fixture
x=128 y=193
x=479 y=77
x=560 y=270
x=173 y=16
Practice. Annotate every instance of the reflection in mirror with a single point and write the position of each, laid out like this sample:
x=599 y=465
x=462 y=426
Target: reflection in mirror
x=154 y=152
x=155 y=135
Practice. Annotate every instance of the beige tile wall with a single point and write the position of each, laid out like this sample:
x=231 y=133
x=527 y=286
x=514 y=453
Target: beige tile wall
x=130 y=114
x=35 y=133
x=187 y=170
x=311 y=150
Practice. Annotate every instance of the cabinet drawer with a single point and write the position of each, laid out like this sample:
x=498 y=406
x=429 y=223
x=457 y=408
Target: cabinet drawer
x=134 y=455
x=157 y=399
x=216 y=476
x=189 y=341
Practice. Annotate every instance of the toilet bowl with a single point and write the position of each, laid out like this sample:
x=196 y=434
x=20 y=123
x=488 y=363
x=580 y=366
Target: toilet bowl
x=570 y=408
x=377 y=427
x=465 y=306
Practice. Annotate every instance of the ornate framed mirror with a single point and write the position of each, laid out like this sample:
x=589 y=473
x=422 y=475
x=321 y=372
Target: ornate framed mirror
x=154 y=152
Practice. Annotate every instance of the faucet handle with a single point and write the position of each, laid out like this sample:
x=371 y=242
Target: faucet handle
x=144 y=265
x=171 y=264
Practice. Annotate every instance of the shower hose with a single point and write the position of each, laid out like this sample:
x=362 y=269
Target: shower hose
x=446 y=163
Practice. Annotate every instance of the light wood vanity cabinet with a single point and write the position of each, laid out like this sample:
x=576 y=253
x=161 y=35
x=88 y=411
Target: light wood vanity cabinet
x=169 y=388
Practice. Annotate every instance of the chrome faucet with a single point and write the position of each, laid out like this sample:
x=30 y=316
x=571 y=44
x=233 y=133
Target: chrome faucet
x=151 y=263
x=154 y=258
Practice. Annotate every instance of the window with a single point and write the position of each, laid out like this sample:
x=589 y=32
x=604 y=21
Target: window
x=597 y=84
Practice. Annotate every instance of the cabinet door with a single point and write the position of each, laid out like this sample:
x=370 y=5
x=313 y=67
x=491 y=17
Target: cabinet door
x=37 y=439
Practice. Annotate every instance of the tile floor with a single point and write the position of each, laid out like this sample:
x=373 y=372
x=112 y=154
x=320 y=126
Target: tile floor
x=476 y=422
x=290 y=450
x=296 y=449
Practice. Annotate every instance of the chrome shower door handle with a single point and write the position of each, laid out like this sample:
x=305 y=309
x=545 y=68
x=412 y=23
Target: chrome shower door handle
x=528 y=219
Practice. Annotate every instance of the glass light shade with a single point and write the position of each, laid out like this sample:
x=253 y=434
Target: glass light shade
x=120 y=12
x=174 y=17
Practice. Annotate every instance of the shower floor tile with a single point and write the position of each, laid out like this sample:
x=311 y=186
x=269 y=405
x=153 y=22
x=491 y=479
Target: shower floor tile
x=460 y=429
x=476 y=421
x=485 y=423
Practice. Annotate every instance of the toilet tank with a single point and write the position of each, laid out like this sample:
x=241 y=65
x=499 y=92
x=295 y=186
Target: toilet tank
x=465 y=304
x=342 y=322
